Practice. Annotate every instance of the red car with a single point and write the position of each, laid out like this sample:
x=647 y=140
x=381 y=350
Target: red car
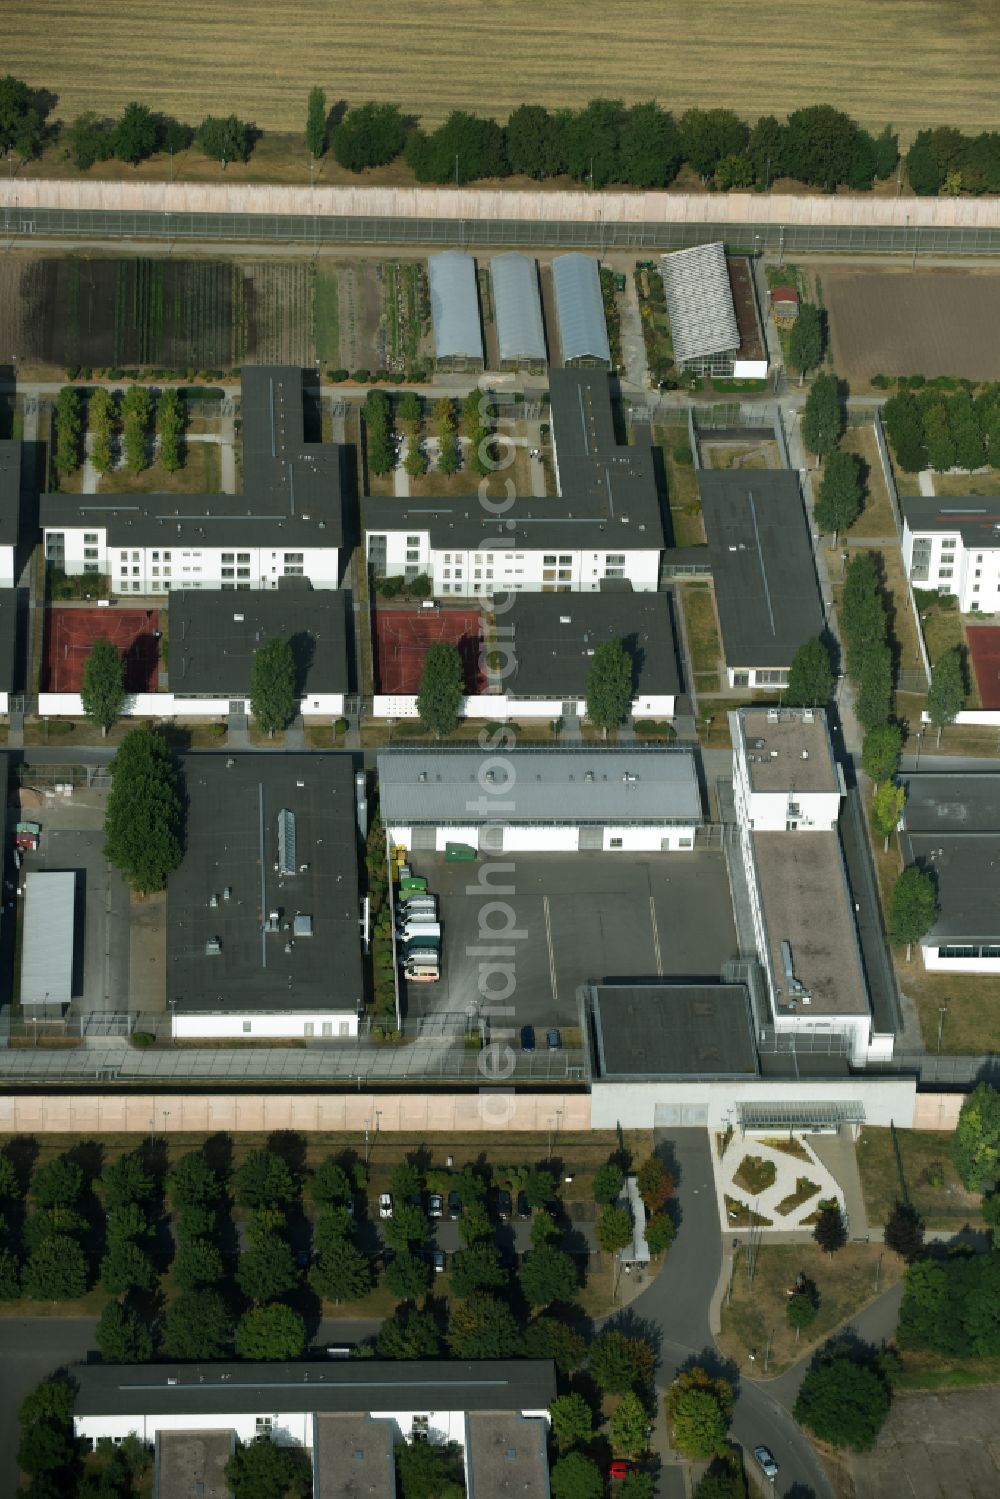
x=621 y=1468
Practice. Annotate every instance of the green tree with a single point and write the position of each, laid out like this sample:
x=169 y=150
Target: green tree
x=22 y=118
x=888 y=802
x=427 y=1472
x=415 y=462
x=369 y=136
x=609 y=685
x=874 y=699
x=614 y=1229
x=53 y=1400
x=330 y=1183
x=913 y=907
x=880 y=753
x=546 y=1337
x=800 y=1310
x=316 y=123
x=477 y=1268
x=123 y=1336
x=838 y=503
x=482 y=1327
x=127 y=1267
x=264 y=1181
x=10 y=1276
x=904 y=425
x=475 y=407
x=708 y=135
x=102 y=419
x=102 y=691
x=379 y=429
x=411 y=412
x=976 y=1144
x=843 y=1401
x=442 y=687
x=136 y=409
x=572 y=1421
x=55 y=1270
x=197 y=1263
x=649 y=146
x=90 y=139
x=654 y=1182
x=225 y=140
x=274 y=1332
x=904 y=1232
x=629 y=1426
x=640 y=1486
x=609 y=1181
x=135 y=135
x=618 y=1363
x=660 y=1232
x=576 y=1477
x=191 y=1182
x=344 y=1276
x=44 y=1448
x=69 y=430
x=143 y=821
x=267 y=1270
x=830 y=1230
x=263 y=1470
x=946 y=694
x=700 y=1408
x=448 y=455
x=474 y=1224
x=862 y=612
x=332 y=1230
x=10 y=1182
x=821 y=148
x=549 y=1274
x=407 y=1275
x=822 y=419
x=810 y=678
x=57 y=1184
x=408 y=1225
x=409 y=1334
x=197 y=1326
x=272 y=686
x=805 y=340
x=170 y=428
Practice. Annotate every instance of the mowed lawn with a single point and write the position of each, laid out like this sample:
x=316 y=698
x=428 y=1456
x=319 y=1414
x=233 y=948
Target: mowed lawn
x=911 y=62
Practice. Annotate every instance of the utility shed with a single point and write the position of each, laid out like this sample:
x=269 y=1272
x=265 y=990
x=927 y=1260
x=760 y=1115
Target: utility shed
x=583 y=332
x=458 y=335
x=700 y=303
x=47 y=944
x=517 y=307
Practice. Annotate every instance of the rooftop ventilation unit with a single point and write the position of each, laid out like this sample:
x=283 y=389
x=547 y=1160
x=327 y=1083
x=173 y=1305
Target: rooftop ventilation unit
x=302 y=926
x=213 y=901
x=238 y=619
x=213 y=948
x=792 y=986
x=565 y=619
x=772 y=715
x=286 y=842
x=808 y=716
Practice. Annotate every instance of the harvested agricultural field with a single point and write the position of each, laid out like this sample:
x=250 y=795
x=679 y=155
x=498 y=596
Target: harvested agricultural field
x=196 y=57
x=63 y=310
x=903 y=322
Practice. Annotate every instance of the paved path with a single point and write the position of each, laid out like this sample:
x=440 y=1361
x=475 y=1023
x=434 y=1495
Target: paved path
x=633 y=343
x=925 y=479
x=400 y=478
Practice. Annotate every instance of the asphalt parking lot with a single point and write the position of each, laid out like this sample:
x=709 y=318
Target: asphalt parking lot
x=578 y=919
x=73 y=839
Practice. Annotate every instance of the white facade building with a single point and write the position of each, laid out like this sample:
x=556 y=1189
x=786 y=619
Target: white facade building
x=787 y=790
x=603 y=527
x=953 y=546
x=288 y=522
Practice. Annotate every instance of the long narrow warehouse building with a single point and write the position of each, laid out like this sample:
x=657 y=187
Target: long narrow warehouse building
x=517 y=308
x=458 y=334
x=583 y=332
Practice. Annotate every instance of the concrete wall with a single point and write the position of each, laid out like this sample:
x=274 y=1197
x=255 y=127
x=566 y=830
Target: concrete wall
x=937 y=1110
x=887 y=1100
x=180 y=1113
x=483 y=203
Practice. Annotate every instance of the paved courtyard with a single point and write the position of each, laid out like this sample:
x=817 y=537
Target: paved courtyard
x=934 y=1446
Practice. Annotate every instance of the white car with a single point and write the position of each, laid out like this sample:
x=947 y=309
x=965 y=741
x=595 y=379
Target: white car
x=766 y=1462
x=385 y=1205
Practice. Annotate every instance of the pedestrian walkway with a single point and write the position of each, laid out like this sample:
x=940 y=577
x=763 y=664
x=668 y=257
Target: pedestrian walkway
x=925 y=479
x=838 y=1154
x=788 y=1171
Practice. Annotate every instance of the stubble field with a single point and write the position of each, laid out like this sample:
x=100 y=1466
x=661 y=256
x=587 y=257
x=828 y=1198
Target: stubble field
x=911 y=62
x=904 y=322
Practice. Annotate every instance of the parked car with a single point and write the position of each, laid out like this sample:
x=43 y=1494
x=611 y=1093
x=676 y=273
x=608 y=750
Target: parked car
x=435 y=1205
x=503 y=1205
x=621 y=1468
x=553 y=1040
x=523 y=1209
x=437 y=1260
x=385 y=1205
x=766 y=1462
x=527 y=1038
x=454 y=1206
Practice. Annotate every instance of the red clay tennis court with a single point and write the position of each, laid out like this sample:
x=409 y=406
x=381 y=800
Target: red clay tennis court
x=984 y=648
x=69 y=634
x=402 y=637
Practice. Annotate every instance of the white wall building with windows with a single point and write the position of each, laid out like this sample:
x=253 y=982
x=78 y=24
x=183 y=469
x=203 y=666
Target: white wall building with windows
x=953 y=546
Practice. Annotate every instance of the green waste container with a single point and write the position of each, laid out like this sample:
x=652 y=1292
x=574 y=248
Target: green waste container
x=458 y=853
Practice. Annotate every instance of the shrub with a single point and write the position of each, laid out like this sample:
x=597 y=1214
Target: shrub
x=142 y=1038
x=683 y=455
x=336 y=376
x=361 y=377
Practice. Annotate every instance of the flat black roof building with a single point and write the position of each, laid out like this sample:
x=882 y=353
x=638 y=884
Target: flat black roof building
x=191 y=1463
x=952 y=802
x=215 y=634
x=652 y=1031
x=762 y=565
x=554 y=638
x=266 y=834
x=10 y=492
x=607 y=491
x=292 y=490
x=322 y=1386
x=505 y=1455
x=976 y=519
x=951 y=824
x=353 y=1457
x=8 y=638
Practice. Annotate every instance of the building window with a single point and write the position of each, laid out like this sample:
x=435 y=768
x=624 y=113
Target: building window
x=945 y=572
x=548 y=561
x=244 y=572
x=90 y=538
x=227 y=572
x=614 y=843
x=90 y=567
x=613 y=559
x=413 y=541
x=246 y=1031
x=156 y=572
x=226 y=556
x=90 y=554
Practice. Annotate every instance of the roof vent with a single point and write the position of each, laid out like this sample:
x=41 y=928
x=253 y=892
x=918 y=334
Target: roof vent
x=565 y=619
x=238 y=619
x=213 y=948
x=805 y=754
x=302 y=926
x=213 y=901
x=286 y=842
x=772 y=715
